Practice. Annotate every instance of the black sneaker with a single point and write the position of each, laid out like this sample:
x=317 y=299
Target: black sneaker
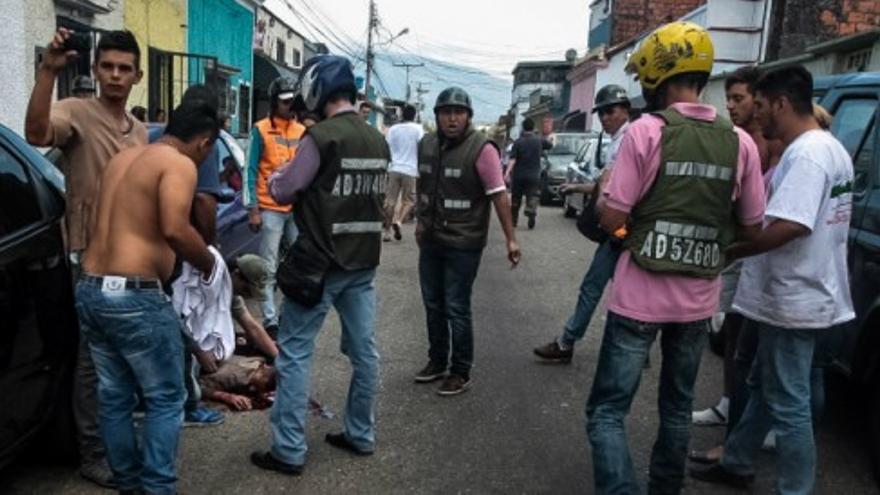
x=553 y=353
x=98 y=472
x=454 y=384
x=397 y=235
x=267 y=461
x=715 y=473
x=531 y=222
x=340 y=441
x=430 y=373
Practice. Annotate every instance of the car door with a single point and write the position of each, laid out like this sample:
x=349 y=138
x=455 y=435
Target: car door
x=855 y=122
x=38 y=333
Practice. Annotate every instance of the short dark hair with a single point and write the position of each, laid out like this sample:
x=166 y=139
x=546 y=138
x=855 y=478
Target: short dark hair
x=528 y=125
x=140 y=113
x=191 y=119
x=203 y=93
x=123 y=41
x=409 y=113
x=696 y=80
x=794 y=83
x=344 y=95
x=747 y=75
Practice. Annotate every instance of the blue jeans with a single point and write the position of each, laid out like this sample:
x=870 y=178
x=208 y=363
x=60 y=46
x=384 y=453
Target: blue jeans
x=625 y=346
x=276 y=226
x=600 y=272
x=779 y=398
x=744 y=357
x=447 y=278
x=353 y=294
x=134 y=337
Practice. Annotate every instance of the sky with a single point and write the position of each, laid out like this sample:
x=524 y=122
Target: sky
x=488 y=35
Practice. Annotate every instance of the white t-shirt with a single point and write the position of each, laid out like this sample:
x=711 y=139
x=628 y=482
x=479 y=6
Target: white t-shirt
x=614 y=146
x=804 y=284
x=403 y=139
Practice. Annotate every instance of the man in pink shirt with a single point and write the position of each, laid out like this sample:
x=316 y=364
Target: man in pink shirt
x=685 y=184
x=459 y=182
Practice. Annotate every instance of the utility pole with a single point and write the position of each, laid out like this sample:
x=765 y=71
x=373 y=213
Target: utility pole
x=408 y=67
x=370 y=27
x=419 y=93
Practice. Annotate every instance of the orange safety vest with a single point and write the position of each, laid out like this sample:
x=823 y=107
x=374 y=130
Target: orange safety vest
x=279 y=147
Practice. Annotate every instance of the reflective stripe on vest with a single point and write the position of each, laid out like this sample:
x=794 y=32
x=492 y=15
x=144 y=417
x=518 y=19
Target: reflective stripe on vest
x=425 y=168
x=686 y=230
x=363 y=164
x=697 y=169
x=287 y=143
x=357 y=228
x=457 y=204
x=452 y=172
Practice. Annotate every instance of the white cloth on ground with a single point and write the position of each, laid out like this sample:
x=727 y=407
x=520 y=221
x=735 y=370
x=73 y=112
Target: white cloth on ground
x=205 y=306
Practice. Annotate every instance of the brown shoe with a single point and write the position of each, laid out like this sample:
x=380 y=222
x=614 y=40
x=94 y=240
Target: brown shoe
x=554 y=354
x=430 y=373
x=454 y=385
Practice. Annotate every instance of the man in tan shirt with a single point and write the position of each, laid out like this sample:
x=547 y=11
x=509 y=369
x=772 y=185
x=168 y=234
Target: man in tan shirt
x=89 y=132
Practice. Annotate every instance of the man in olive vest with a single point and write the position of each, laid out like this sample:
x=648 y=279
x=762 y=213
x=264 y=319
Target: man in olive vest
x=337 y=181
x=273 y=144
x=684 y=183
x=459 y=182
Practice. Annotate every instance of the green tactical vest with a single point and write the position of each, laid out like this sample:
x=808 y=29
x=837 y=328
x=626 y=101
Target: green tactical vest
x=453 y=208
x=340 y=213
x=685 y=222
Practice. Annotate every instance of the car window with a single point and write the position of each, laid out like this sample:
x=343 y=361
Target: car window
x=863 y=161
x=851 y=121
x=18 y=202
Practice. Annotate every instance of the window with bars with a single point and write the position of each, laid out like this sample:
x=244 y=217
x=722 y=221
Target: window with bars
x=280 y=52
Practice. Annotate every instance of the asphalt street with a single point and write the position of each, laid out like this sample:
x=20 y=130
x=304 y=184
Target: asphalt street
x=520 y=429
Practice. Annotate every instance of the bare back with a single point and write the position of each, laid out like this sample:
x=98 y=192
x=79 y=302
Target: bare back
x=127 y=235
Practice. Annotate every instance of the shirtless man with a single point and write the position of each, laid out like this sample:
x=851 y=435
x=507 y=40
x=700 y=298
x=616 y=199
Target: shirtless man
x=142 y=222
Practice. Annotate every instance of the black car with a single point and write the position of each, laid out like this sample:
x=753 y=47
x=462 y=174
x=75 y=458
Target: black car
x=38 y=336
x=853 y=100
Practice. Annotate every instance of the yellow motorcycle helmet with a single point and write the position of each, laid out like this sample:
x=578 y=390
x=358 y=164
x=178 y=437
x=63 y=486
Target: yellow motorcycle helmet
x=672 y=49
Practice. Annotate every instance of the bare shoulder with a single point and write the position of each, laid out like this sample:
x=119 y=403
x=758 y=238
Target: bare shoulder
x=172 y=162
x=125 y=156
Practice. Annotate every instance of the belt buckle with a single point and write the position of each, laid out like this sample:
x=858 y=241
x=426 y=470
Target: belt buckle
x=113 y=285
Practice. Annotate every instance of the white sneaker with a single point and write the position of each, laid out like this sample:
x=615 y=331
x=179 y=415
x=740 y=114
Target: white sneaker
x=714 y=416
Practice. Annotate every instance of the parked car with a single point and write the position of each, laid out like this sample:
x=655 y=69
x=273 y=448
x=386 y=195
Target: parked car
x=38 y=340
x=554 y=164
x=853 y=100
x=582 y=170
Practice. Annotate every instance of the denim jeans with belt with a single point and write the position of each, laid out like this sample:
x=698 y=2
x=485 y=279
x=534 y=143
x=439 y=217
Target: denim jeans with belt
x=353 y=294
x=134 y=337
x=779 y=398
x=625 y=346
x=447 y=276
x=276 y=226
x=600 y=272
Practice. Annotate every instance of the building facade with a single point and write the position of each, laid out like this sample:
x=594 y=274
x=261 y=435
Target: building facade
x=221 y=33
x=160 y=27
x=538 y=82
